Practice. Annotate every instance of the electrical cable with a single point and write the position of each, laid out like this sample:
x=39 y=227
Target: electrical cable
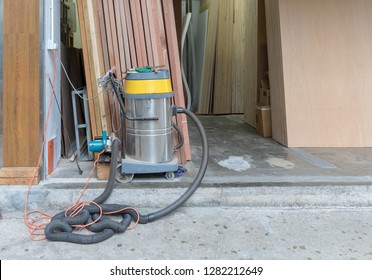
x=106 y=83
x=60 y=112
x=93 y=217
x=76 y=90
x=113 y=110
x=37 y=225
x=38 y=222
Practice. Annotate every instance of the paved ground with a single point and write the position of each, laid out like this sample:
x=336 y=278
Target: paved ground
x=215 y=233
x=258 y=200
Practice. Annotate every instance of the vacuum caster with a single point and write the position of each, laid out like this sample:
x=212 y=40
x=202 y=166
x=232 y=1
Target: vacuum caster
x=123 y=179
x=169 y=175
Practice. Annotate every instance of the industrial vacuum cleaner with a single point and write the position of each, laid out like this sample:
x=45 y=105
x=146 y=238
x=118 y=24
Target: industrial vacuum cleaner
x=148 y=124
x=146 y=113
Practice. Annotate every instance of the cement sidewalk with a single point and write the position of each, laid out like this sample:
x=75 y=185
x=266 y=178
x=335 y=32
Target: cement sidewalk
x=297 y=222
x=212 y=232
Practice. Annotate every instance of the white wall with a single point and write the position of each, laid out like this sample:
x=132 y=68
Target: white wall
x=52 y=25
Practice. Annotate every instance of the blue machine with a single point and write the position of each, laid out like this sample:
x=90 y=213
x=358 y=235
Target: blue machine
x=99 y=144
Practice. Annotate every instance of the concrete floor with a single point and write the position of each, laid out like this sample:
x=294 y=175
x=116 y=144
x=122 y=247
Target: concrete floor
x=269 y=162
x=258 y=200
x=239 y=156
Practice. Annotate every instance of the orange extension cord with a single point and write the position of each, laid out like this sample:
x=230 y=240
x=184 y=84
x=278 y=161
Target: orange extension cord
x=37 y=220
x=37 y=225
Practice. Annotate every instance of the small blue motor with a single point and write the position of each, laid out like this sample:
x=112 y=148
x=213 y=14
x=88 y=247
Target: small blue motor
x=99 y=144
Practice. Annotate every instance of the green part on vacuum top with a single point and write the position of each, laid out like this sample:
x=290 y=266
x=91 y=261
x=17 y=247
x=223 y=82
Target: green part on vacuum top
x=160 y=74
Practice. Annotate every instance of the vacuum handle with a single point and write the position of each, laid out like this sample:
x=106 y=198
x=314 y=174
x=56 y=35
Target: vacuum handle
x=142 y=118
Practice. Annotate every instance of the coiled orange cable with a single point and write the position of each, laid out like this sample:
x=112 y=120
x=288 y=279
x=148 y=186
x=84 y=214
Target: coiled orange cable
x=36 y=225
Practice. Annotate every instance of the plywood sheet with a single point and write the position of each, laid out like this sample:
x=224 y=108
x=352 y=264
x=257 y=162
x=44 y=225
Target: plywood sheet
x=222 y=94
x=278 y=115
x=244 y=57
x=256 y=57
x=21 y=86
x=325 y=83
x=200 y=53
x=206 y=93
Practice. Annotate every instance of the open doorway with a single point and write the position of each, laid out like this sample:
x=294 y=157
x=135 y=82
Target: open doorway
x=239 y=57
x=72 y=77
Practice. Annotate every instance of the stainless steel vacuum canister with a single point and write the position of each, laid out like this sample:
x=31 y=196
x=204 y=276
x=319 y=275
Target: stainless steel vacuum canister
x=149 y=116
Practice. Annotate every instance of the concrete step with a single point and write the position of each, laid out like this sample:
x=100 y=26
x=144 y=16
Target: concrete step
x=58 y=195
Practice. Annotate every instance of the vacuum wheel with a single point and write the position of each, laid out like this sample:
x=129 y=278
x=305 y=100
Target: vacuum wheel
x=123 y=178
x=169 y=175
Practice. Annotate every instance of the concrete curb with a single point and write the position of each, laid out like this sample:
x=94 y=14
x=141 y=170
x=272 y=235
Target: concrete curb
x=57 y=197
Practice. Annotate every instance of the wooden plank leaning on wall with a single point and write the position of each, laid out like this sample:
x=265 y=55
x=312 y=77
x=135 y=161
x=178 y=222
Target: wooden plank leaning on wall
x=95 y=123
x=175 y=67
x=131 y=34
x=206 y=87
x=256 y=57
x=21 y=92
x=94 y=66
x=223 y=92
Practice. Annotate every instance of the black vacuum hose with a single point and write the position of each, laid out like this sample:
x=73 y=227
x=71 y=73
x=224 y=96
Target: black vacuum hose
x=199 y=177
x=61 y=227
x=112 y=175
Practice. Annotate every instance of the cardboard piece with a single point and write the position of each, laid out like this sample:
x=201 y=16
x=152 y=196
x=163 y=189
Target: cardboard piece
x=263 y=120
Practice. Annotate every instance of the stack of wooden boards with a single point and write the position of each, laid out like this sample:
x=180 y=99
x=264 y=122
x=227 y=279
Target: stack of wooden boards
x=235 y=56
x=128 y=34
x=223 y=87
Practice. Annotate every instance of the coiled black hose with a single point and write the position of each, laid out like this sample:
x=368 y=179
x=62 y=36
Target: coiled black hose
x=60 y=228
